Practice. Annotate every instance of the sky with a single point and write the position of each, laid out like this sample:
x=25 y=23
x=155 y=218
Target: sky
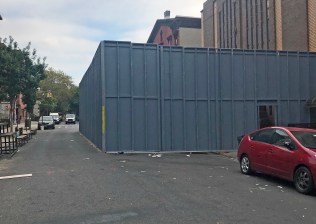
x=68 y=32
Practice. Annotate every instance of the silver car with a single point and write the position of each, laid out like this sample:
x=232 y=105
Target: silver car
x=47 y=122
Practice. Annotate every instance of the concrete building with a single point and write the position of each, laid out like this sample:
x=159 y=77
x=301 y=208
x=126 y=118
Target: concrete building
x=288 y=25
x=178 y=31
x=4 y=111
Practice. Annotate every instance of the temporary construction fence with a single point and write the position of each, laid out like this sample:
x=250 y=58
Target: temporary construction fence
x=151 y=98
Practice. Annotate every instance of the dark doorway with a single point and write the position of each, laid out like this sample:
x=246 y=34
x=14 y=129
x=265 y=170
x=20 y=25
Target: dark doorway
x=267 y=115
x=313 y=115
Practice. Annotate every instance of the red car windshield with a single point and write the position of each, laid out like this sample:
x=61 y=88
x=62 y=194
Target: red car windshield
x=307 y=139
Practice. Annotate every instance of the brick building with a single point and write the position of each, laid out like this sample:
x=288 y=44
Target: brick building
x=288 y=25
x=19 y=110
x=178 y=31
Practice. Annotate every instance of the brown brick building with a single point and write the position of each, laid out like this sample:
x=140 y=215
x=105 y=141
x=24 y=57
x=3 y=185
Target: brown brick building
x=260 y=24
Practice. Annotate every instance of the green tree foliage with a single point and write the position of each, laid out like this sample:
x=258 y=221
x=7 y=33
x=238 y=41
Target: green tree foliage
x=20 y=72
x=48 y=103
x=74 y=101
x=61 y=88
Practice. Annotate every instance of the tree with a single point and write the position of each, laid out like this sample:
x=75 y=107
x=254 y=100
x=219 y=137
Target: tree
x=20 y=72
x=48 y=103
x=61 y=87
x=74 y=101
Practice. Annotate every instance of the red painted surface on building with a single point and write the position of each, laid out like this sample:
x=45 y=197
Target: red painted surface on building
x=164 y=36
x=21 y=109
x=18 y=110
x=166 y=31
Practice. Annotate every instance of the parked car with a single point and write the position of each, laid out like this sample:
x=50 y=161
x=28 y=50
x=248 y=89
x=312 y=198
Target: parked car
x=285 y=152
x=70 y=118
x=55 y=117
x=47 y=122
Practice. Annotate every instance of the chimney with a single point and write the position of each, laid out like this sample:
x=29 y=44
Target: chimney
x=167 y=14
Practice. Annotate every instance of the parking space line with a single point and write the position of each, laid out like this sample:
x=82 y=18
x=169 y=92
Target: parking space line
x=15 y=176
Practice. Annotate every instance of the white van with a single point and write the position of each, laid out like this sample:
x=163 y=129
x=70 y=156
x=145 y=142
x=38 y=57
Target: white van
x=55 y=117
x=70 y=118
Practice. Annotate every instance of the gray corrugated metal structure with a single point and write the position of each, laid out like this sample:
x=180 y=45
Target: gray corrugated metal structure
x=147 y=98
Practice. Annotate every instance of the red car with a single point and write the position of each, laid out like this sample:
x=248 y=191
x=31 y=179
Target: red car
x=288 y=153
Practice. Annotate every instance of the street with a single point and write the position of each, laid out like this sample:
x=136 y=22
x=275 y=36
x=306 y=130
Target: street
x=67 y=180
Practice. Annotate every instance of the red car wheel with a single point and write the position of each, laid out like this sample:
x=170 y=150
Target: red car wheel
x=303 y=180
x=245 y=165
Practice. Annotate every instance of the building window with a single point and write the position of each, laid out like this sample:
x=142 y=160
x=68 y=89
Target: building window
x=268 y=7
x=251 y=24
x=227 y=27
x=257 y=23
x=161 y=36
x=231 y=24
x=220 y=29
x=247 y=24
x=169 y=40
x=267 y=23
x=241 y=24
x=235 y=26
x=215 y=25
x=223 y=29
x=261 y=24
x=224 y=25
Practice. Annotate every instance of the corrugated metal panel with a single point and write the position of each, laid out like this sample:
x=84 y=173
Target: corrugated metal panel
x=312 y=24
x=188 y=99
x=261 y=81
x=312 y=75
x=283 y=108
x=90 y=102
x=294 y=77
x=294 y=111
x=283 y=75
x=304 y=69
x=249 y=75
x=132 y=97
x=182 y=102
x=238 y=83
x=278 y=24
x=273 y=82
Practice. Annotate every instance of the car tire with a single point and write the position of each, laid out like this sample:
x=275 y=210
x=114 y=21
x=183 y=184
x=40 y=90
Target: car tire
x=245 y=165
x=303 y=180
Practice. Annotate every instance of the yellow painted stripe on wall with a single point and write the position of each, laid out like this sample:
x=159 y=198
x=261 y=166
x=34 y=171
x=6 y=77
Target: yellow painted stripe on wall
x=103 y=120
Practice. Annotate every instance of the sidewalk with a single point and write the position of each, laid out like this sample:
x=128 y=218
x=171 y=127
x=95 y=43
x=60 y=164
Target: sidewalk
x=22 y=125
x=230 y=154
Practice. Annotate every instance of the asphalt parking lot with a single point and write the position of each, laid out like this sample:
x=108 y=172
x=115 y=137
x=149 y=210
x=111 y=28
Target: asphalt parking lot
x=209 y=188
x=70 y=181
